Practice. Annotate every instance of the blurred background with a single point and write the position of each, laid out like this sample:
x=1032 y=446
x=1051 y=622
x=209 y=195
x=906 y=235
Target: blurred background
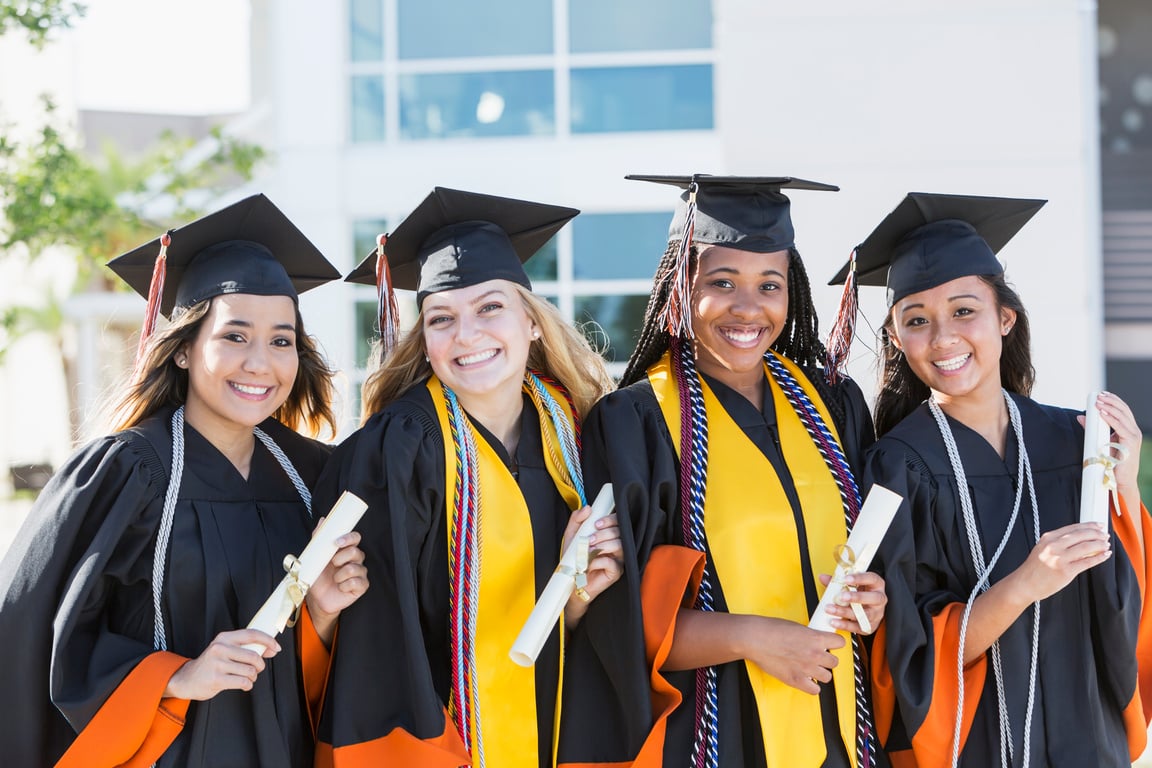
x=120 y=118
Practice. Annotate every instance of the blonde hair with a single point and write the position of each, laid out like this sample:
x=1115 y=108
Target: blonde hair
x=561 y=353
x=157 y=381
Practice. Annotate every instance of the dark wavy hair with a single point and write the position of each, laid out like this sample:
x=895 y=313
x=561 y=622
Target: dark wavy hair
x=901 y=392
x=799 y=339
x=158 y=382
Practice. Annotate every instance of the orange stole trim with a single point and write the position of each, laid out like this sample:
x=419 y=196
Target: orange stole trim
x=135 y=725
x=883 y=689
x=1138 y=713
x=933 y=739
x=399 y=748
x=670 y=581
x=315 y=665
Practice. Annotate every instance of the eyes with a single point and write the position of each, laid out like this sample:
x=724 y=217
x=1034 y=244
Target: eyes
x=725 y=284
x=441 y=319
x=917 y=321
x=280 y=341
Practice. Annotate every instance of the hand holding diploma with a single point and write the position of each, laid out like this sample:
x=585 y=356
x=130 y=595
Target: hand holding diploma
x=851 y=574
x=1110 y=466
x=594 y=542
x=283 y=605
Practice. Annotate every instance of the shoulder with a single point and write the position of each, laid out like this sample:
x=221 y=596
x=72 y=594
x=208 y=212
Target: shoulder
x=406 y=422
x=1052 y=427
x=913 y=442
x=637 y=397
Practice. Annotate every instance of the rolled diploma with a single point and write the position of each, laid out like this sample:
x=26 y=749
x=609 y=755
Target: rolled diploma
x=871 y=525
x=1093 y=491
x=278 y=608
x=560 y=587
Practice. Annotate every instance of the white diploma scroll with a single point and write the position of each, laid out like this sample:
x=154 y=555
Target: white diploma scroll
x=560 y=587
x=303 y=571
x=856 y=556
x=1098 y=477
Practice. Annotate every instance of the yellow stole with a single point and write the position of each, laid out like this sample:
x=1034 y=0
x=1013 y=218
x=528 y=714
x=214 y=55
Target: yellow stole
x=504 y=693
x=756 y=550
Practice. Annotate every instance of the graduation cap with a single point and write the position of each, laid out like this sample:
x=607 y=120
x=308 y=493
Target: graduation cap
x=746 y=212
x=926 y=241
x=456 y=239
x=247 y=247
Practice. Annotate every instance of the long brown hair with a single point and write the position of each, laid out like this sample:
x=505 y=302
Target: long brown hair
x=561 y=352
x=157 y=382
x=901 y=392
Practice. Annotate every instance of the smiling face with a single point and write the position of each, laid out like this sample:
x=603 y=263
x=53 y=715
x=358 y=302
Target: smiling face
x=952 y=336
x=241 y=365
x=739 y=308
x=477 y=339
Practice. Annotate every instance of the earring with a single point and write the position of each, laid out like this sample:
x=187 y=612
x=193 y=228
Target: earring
x=535 y=335
x=1006 y=331
x=182 y=361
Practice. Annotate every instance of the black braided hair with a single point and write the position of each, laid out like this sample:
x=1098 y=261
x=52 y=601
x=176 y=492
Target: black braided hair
x=654 y=339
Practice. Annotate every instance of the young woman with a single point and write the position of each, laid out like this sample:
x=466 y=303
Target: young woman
x=726 y=439
x=469 y=460
x=1013 y=630
x=125 y=596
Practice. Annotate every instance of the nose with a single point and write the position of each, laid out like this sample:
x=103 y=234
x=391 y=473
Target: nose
x=467 y=329
x=256 y=361
x=745 y=304
x=943 y=335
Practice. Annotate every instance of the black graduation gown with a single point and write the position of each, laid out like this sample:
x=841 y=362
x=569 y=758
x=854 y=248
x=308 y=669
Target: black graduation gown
x=1087 y=651
x=392 y=658
x=626 y=442
x=76 y=609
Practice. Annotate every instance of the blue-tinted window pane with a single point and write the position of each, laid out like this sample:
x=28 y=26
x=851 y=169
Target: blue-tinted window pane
x=367 y=332
x=367 y=108
x=364 y=233
x=476 y=104
x=620 y=318
x=674 y=98
x=366 y=30
x=453 y=29
x=639 y=25
x=618 y=246
x=542 y=265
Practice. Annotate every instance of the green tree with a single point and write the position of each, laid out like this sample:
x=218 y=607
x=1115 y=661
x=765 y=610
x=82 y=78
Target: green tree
x=37 y=18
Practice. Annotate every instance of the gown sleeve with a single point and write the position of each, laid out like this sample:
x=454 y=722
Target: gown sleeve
x=916 y=649
x=613 y=683
x=75 y=675
x=382 y=704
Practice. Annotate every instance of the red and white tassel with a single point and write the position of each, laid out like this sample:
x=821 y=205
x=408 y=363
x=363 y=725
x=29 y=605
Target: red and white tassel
x=843 y=331
x=387 y=312
x=155 y=295
x=677 y=313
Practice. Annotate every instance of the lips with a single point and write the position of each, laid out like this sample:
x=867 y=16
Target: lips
x=742 y=337
x=475 y=358
x=249 y=389
x=953 y=363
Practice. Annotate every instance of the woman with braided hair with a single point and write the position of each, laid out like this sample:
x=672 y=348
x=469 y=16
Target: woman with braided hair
x=731 y=457
x=1016 y=635
x=469 y=460
x=125 y=597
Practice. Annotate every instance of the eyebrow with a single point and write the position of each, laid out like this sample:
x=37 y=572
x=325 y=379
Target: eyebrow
x=473 y=302
x=950 y=298
x=734 y=271
x=247 y=324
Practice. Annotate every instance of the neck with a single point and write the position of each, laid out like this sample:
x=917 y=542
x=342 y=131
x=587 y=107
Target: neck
x=499 y=412
x=985 y=414
x=750 y=383
x=236 y=441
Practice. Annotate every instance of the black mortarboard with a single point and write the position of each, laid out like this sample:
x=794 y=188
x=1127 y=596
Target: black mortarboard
x=745 y=212
x=247 y=247
x=455 y=239
x=930 y=239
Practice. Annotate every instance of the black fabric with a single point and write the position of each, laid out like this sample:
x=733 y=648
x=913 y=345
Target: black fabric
x=247 y=247
x=1087 y=668
x=626 y=442
x=76 y=595
x=391 y=667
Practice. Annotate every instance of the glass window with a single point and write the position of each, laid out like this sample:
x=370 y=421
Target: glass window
x=439 y=106
x=619 y=318
x=367 y=108
x=639 y=25
x=542 y=265
x=366 y=331
x=664 y=98
x=618 y=246
x=366 y=30
x=450 y=29
x=364 y=233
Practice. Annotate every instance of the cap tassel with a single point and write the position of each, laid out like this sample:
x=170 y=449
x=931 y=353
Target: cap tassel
x=677 y=313
x=155 y=295
x=387 y=312
x=844 y=328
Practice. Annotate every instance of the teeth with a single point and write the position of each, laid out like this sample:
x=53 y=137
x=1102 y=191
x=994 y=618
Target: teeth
x=741 y=336
x=477 y=357
x=251 y=390
x=952 y=363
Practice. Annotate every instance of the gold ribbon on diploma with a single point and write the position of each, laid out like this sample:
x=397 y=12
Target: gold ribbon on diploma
x=297 y=587
x=845 y=559
x=1109 y=462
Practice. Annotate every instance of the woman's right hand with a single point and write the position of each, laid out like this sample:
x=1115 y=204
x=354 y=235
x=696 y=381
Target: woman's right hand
x=1060 y=556
x=225 y=665
x=792 y=653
